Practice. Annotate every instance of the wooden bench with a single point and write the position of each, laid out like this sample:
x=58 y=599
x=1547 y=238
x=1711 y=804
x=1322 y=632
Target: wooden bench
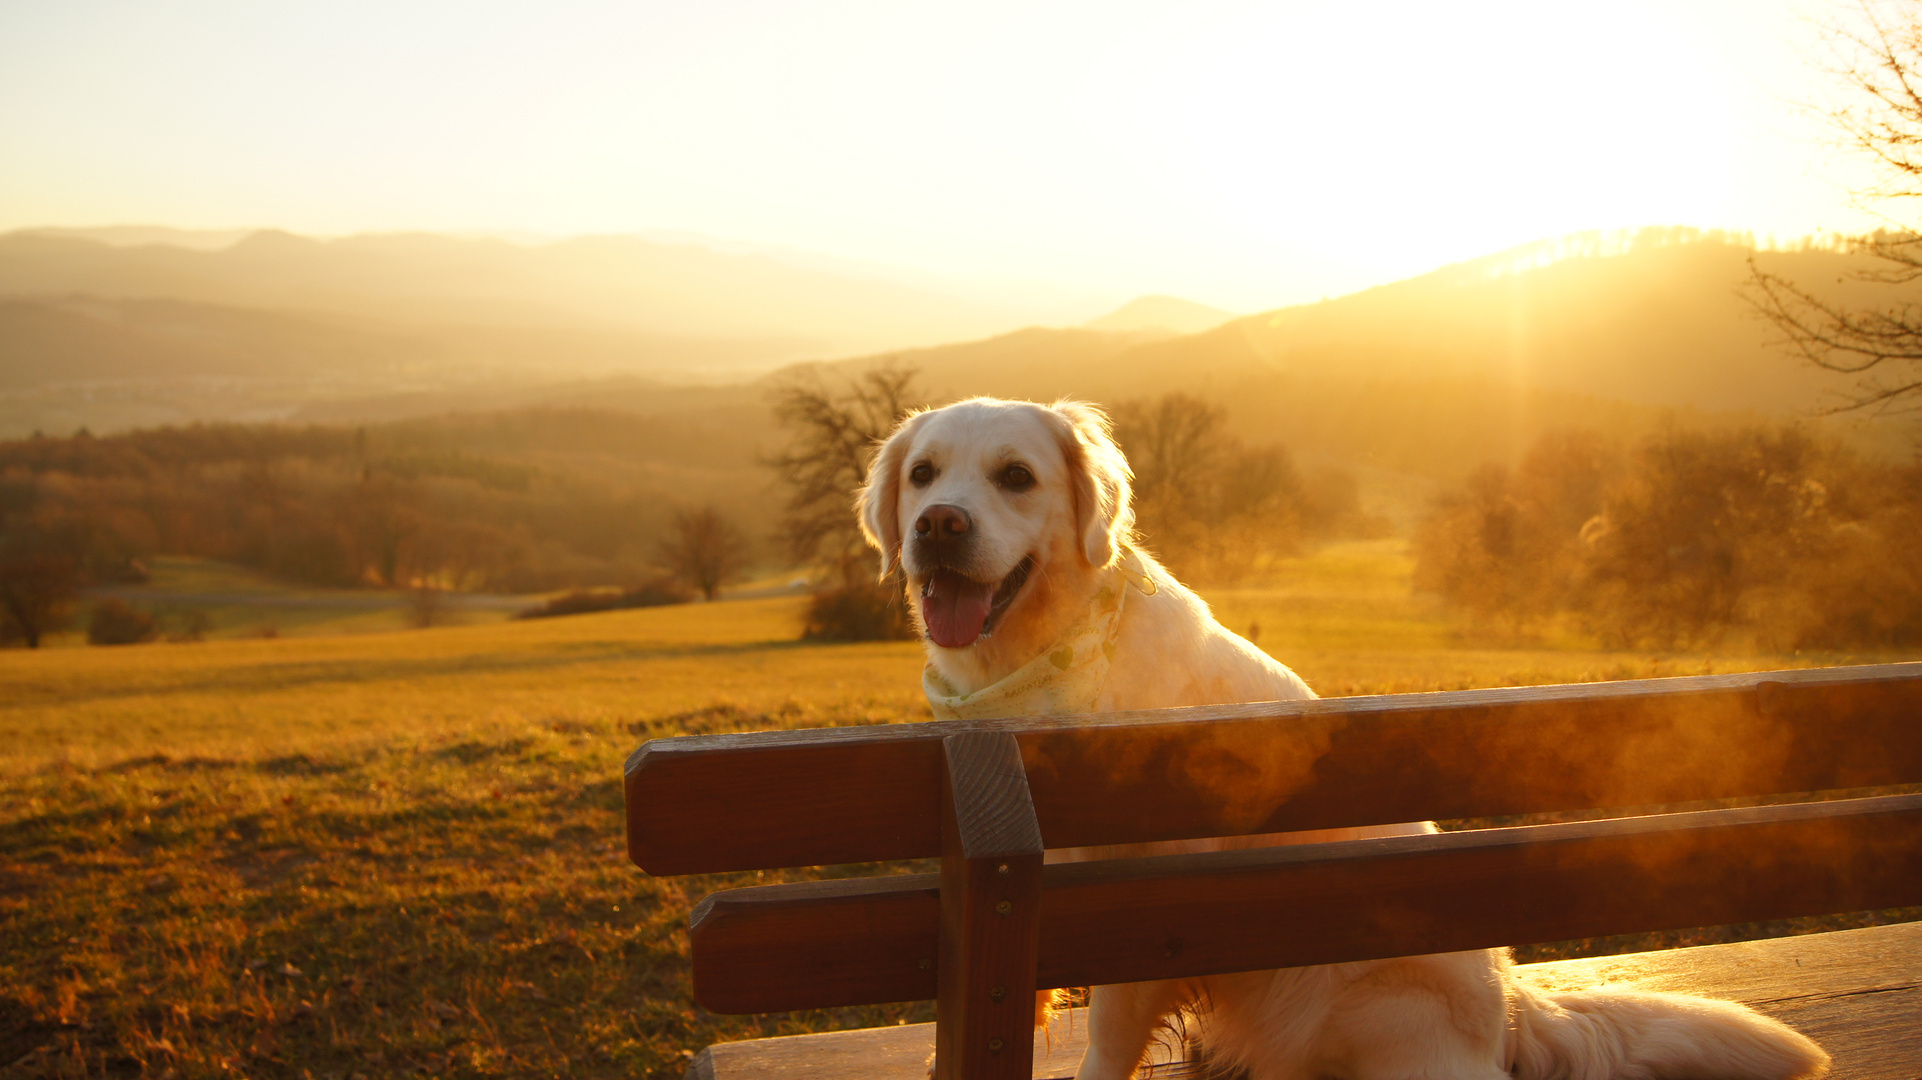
x=994 y=923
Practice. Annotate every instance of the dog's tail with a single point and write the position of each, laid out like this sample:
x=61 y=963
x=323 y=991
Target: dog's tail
x=1605 y=1034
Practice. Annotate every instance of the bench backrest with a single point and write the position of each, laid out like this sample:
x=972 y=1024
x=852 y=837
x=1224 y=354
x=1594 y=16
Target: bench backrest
x=714 y=803
x=764 y=800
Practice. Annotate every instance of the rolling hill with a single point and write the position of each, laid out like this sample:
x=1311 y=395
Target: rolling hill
x=1415 y=383
x=1411 y=384
x=1166 y=313
x=1663 y=326
x=606 y=284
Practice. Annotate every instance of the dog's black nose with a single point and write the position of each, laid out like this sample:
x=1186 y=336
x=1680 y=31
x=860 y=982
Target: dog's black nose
x=942 y=522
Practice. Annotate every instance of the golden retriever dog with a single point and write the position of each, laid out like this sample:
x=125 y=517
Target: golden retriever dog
x=1011 y=523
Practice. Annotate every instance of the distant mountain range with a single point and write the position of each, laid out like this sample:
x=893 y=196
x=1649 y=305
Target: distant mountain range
x=1417 y=379
x=136 y=326
x=1665 y=326
x=659 y=292
x=1416 y=382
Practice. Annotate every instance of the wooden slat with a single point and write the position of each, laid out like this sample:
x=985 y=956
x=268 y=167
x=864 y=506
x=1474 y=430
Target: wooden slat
x=881 y=941
x=1237 y=911
x=1857 y=992
x=902 y=1053
x=701 y=804
x=855 y=942
x=990 y=912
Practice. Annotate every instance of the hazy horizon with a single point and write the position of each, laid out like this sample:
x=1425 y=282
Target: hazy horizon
x=1244 y=156
x=1070 y=307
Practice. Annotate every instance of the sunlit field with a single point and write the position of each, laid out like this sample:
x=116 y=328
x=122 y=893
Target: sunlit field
x=312 y=385
x=339 y=694
x=377 y=853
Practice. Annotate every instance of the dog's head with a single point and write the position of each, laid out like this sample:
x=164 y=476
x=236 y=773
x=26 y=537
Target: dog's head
x=992 y=507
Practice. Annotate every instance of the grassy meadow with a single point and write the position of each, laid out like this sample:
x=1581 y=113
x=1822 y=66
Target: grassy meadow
x=383 y=853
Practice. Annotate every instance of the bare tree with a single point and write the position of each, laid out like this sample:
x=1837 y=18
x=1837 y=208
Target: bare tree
x=40 y=577
x=705 y=550
x=834 y=437
x=426 y=605
x=1176 y=446
x=1880 y=64
x=37 y=591
x=834 y=434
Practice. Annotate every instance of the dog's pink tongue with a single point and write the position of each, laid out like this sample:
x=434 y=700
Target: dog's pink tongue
x=955 y=609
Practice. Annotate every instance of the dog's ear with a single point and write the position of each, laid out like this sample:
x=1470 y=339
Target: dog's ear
x=878 y=505
x=1101 y=478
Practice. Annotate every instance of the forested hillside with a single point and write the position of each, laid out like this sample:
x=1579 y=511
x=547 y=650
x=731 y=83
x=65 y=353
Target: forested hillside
x=513 y=502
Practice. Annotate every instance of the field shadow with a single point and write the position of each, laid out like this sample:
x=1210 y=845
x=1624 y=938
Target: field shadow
x=475 y=751
x=169 y=762
x=301 y=765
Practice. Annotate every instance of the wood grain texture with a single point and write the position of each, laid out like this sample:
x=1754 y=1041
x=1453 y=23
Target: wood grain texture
x=987 y=810
x=1857 y=992
x=708 y=803
x=853 y=942
x=902 y=1053
x=990 y=904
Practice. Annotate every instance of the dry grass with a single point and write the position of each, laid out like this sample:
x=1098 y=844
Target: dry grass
x=258 y=699
x=393 y=853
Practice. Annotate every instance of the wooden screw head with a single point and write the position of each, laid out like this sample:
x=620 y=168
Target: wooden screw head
x=994 y=1046
x=1005 y=907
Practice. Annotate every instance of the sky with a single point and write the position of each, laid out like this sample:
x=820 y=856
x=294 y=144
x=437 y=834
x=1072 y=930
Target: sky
x=1245 y=155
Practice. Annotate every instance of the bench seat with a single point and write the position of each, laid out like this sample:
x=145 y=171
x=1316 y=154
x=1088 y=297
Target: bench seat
x=1857 y=992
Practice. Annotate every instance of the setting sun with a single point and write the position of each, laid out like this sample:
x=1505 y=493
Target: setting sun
x=1244 y=154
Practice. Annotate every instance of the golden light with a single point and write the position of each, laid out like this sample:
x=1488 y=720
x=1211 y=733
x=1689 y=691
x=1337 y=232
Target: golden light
x=1245 y=154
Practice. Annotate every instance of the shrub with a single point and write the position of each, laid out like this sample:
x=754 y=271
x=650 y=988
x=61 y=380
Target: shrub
x=116 y=622
x=191 y=625
x=861 y=611
x=1509 y=545
x=655 y=592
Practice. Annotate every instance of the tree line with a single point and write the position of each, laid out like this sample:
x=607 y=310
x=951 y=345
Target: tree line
x=1767 y=536
x=1685 y=539
x=533 y=502
x=1217 y=510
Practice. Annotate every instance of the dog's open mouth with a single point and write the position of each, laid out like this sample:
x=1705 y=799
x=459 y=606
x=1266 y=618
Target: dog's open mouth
x=959 y=609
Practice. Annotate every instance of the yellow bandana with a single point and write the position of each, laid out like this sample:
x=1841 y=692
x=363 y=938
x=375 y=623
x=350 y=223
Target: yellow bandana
x=1066 y=678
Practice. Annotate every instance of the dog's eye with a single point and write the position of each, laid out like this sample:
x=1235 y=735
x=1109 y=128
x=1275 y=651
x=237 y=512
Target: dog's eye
x=922 y=474
x=1017 y=478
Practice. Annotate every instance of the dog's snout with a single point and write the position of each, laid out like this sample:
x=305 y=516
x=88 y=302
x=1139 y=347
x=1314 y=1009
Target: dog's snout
x=943 y=522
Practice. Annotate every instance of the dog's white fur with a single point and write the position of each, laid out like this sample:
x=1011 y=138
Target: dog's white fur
x=1457 y=1015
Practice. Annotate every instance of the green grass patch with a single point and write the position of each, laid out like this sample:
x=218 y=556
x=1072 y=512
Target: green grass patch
x=218 y=600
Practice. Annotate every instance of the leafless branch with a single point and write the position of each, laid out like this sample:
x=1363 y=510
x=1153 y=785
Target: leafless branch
x=834 y=433
x=1879 y=62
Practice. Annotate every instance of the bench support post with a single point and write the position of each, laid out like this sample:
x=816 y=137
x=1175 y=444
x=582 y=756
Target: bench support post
x=990 y=912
